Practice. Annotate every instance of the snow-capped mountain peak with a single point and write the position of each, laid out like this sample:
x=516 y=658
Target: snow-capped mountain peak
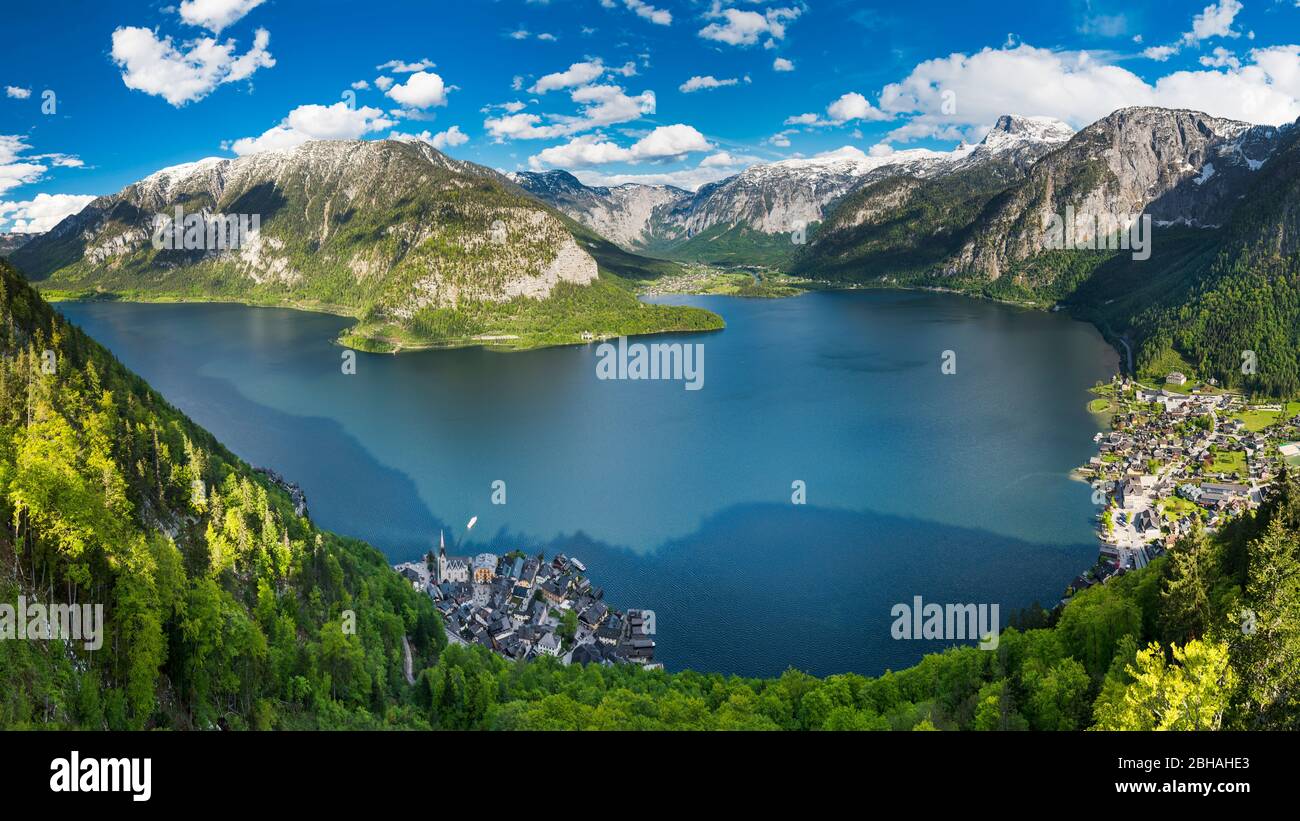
x=1013 y=130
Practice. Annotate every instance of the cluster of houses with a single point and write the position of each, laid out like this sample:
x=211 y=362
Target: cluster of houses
x=521 y=607
x=1160 y=470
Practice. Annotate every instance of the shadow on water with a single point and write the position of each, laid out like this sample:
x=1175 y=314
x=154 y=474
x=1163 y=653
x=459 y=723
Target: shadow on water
x=348 y=490
x=759 y=588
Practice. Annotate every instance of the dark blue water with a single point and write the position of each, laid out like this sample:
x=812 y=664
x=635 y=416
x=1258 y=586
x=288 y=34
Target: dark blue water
x=952 y=487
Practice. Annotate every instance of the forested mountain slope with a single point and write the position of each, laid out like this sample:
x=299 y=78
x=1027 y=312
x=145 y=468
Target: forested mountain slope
x=222 y=608
x=422 y=249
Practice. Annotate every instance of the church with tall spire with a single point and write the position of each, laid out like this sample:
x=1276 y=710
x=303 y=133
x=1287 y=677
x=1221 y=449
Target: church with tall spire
x=449 y=568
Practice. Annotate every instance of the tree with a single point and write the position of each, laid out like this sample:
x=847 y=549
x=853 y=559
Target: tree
x=995 y=711
x=568 y=625
x=1191 y=573
x=1266 y=643
x=1191 y=694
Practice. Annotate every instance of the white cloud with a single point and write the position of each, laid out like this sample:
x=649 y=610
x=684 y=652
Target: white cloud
x=1214 y=21
x=1104 y=25
x=725 y=159
x=670 y=141
x=403 y=67
x=423 y=89
x=1079 y=88
x=511 y=107
x=846 y=108
x=580 y=151
x=42 y=212
x=315 y=122
x=853 y=106
x=60 y=160
x=451 y=137
x=1159 y=53
x=578 y=74
x=698 y=83
x=782 y=64
x=608 y=105
x=383 y=83
x=600 y=105
x=665 y=142
x=689 y=179
x=17 y=169
x=738 y=27
x=216 y=15
x=781 y=139
x=361 y=85
x=712 y=168
x=644 y=10
x=1220 y=58
x=17 y=93
x=521 y=127
x=157 y=67
x=15 y=172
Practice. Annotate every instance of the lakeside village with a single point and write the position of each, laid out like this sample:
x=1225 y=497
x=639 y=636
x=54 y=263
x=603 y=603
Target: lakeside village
x=1178 y=454
x=521 y=607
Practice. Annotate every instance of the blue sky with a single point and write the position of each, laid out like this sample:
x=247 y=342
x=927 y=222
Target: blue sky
x=95 y=95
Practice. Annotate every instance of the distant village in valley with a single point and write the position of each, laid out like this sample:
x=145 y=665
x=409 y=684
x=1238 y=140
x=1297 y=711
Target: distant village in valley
x=1179 y=455
x=520 y=607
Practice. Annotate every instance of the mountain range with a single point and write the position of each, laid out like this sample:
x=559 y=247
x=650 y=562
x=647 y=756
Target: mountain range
x=422 y=249
x=758 y=215
x=1219 y=195
x=426 y=250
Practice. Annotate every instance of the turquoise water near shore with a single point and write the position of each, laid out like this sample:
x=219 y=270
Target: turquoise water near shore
x=952 y=487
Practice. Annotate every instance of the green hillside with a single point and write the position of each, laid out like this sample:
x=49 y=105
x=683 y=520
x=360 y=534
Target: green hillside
x=423 y=251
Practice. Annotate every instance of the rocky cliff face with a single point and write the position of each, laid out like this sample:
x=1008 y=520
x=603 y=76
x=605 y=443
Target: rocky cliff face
x=629 y=215
x=780 y=197
x=376 y=227
x=1179 y=167
x=12 y=242
x=908 y=219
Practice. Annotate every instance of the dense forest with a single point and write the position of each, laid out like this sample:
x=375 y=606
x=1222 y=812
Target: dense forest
x=224 y=609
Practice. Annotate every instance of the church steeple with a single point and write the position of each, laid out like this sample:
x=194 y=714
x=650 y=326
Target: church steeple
x=442 y=558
